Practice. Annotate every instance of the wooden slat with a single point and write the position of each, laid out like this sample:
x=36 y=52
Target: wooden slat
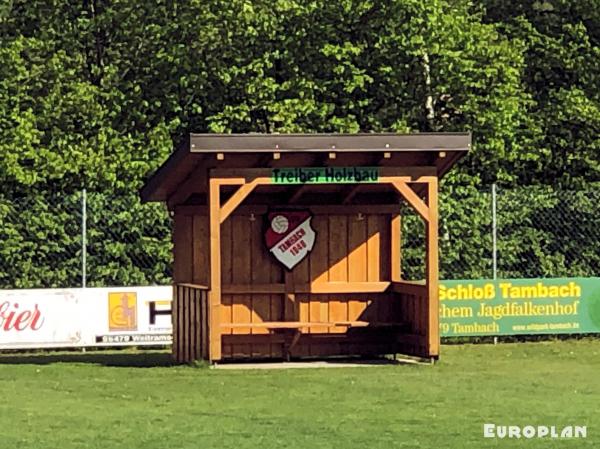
x=338 y=265
x=241 y=270
x=373 y=248
x=302 y=277
x=205 y=326
x=357 y=262
x=182 y=249
x=302 y=324
x=226 y=277
x=319 y=273
x=276 y=307
x=290 y=306
x=261 y=274
x=175 y=324
x=242 y=289
x=182 y=330
x=384 y=251
x=192 y=285
x=200 y=250
x=314 y=288
x=198 y=324
x=191 y=333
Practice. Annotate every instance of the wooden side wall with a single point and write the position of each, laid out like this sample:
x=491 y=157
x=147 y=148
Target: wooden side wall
x=190 y=323
x=412 y=299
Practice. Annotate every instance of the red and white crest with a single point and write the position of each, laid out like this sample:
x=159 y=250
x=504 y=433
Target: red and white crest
x=289 y=236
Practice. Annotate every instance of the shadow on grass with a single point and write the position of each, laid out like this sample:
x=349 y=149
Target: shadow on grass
x=149 y=359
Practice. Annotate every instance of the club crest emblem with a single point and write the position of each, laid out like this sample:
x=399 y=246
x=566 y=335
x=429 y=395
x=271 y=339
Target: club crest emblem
x=289 y=236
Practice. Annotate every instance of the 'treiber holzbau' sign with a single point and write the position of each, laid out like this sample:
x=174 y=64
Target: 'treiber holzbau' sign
x=324 y=175
x=289 y=236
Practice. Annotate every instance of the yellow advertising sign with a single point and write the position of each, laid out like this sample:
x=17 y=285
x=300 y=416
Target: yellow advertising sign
x=122 y=311
x=519 y=306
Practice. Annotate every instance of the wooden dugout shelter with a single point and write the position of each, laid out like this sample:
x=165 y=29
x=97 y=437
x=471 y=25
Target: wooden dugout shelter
x=233 y=299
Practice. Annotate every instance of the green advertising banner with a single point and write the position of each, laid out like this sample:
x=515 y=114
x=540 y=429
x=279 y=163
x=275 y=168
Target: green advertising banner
x=519 y=306
x=324 y=175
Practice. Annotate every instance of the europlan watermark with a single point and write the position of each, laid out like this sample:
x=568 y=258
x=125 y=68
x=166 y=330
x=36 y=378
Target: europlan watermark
x=529 y=432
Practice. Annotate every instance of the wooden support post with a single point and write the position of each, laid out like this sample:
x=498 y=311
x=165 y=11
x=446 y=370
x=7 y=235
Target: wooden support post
x=396 y=245
x=432 y=270
x=215 y=270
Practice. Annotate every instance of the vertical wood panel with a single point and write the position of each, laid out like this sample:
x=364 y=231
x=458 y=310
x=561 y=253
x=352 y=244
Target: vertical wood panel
x=338 y=263
x=319 y=256
x=276 y=302
x=383 y=223
x=302 y=276
x=241 y=265
x=357 y=263
x=175 y=323
x=290 y=307
x=261 y=274
x=227 y=278
x=181 y=324
x=373 y=260
x=373 y=248
x=205 y=341
x=200 y=250
x=197 y=326
x=182 y=248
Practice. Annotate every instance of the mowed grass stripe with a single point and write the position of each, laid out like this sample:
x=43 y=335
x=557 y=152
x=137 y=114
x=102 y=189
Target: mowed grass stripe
x=90 y=405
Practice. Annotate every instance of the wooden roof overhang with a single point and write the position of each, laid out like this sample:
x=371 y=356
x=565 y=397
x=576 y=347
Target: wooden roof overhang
x=183 y=178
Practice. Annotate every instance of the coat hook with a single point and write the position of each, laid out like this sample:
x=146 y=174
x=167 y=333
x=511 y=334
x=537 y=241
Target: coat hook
x=252 y=217
x=360 y=217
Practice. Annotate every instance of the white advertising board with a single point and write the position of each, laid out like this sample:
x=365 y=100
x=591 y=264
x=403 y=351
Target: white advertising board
x=54 y=318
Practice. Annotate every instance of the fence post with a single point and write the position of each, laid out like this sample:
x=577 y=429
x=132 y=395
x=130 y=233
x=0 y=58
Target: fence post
x=494 y=235
x=83 y=238
x=494 y=240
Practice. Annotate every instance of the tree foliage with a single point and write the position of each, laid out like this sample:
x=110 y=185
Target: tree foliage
x=94 y=93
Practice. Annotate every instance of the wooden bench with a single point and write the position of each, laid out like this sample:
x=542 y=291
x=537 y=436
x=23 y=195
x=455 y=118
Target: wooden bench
x=307 y=324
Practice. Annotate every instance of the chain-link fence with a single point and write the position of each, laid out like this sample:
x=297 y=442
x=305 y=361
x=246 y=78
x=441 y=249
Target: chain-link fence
x=525 y=232
x=104 y=240
x=78 y=240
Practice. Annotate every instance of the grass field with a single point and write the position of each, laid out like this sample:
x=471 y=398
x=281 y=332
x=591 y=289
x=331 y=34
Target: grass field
x=100 y=400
